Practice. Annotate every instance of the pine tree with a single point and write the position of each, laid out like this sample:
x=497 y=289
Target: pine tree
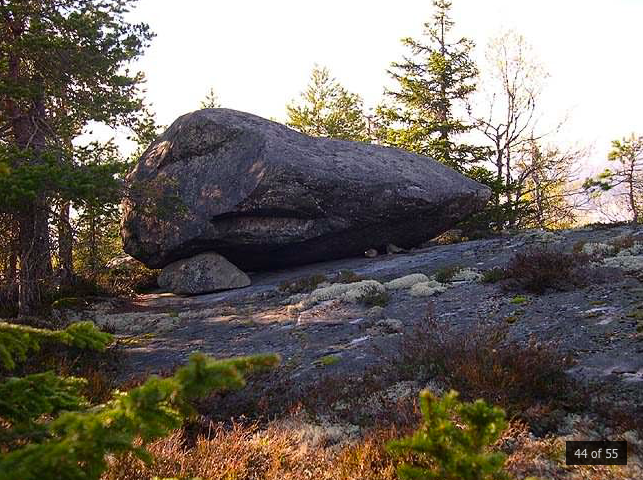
x=62 y=65
x=447 y=451
x=434 y=84
x=327 y=109
x=627 y=178
x=48 y=431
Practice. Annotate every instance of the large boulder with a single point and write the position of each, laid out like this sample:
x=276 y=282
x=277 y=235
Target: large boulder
x=203 y=273
x=266 y=196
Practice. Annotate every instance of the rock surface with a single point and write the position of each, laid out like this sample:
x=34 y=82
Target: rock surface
x=265 y=196
x=599 y=325
x=203 y=273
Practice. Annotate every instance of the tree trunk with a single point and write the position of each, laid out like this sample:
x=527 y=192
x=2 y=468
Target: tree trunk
x=93 y=244
x=32 y=216
x=631 y=195
x=35 y=259
x=65 y=246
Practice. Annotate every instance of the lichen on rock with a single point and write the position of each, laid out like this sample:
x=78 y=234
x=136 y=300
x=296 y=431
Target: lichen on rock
x=634 y=250
x=427 y=289
x=467 y=275
x=346 y=292
x=406 y=281
x=540 y=236
x=598 y=249
x=629 y=263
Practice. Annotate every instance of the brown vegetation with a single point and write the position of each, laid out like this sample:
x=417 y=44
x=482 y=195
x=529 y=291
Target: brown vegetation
x=540 y=269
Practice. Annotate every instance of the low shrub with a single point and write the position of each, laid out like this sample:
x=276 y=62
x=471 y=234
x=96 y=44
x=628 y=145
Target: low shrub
x=347 y=276
x=373 y=297
x=539 y=269
x=578 y=246
x=328 y=360
x=606 y=225
x=303 y=284
x=622 y=242
x=128 y=282
x=519 y=300
x=493 y=275
x=449 y=237
x=480 y=362
x=445 y=274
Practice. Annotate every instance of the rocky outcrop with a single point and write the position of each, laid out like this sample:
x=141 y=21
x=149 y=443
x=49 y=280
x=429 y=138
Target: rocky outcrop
x=265 y=196
x=204 y=273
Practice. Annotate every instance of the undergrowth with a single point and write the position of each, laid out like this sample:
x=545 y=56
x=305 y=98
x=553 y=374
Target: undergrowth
x=481 y=362
x=541 y=269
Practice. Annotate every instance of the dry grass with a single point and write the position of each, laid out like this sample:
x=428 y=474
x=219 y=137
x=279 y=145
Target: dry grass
x=544 y=458
x=293 y=449
x=283 y=450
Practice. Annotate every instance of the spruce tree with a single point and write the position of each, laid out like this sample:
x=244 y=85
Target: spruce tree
x=434 y=83
x=62 y=64
x=327 y=109
x=446 y=450
x=48 y=431
x=211 y=99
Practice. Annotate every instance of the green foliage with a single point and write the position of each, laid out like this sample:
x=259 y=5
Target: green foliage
x=372 y=297
x=88 y=180
x=50 y=432
x=628 y=154
x=433 y=82
x=493 y=275
x=327 y=109
x=445 y=274
x=78 y=442
x=67 y=303
x=519 y=299
x=68 y=56
x=328 y=360
x=16 y=341
x=65 y=65
x=25 y=400
x=447 y=451
x=302 y=285
x=502 y=210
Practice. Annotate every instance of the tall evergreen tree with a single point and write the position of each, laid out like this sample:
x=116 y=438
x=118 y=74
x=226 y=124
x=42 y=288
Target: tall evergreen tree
x=327 y=109
x=62 y=65
x=434 y=84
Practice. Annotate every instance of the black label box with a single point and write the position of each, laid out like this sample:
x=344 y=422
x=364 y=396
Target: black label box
x=596 y=453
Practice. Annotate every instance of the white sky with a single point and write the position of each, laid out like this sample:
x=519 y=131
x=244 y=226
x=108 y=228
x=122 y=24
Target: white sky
x=258 y=54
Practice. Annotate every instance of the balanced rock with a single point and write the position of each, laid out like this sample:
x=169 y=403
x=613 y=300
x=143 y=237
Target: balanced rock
x=265 y=196
x=203 y=273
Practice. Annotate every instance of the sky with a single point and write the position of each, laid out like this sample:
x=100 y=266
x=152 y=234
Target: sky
x=258 y=55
